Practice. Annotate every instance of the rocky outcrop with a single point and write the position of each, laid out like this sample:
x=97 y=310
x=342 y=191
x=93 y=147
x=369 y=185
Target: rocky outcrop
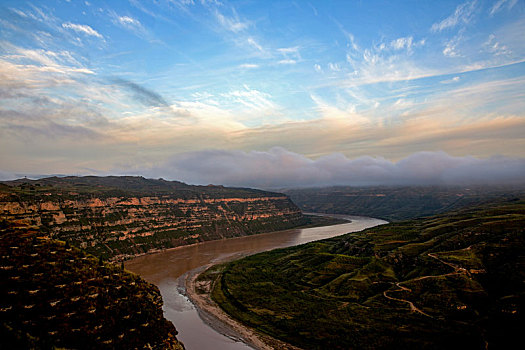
x=116 y=223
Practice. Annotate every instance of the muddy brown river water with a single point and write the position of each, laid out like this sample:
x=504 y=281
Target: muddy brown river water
x=164 y=269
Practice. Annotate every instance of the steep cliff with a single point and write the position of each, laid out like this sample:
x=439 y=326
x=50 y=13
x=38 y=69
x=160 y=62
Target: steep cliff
x=117 y=217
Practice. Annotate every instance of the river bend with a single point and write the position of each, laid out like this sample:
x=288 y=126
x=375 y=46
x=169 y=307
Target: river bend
x=164 y=269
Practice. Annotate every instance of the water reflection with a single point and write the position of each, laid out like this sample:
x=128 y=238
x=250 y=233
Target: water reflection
x=163 y=269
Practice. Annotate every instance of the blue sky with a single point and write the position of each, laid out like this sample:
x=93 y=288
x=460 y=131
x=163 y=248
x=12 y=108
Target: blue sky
x=132 y=86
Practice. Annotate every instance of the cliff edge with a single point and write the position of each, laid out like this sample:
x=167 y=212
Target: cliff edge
x=116 y=217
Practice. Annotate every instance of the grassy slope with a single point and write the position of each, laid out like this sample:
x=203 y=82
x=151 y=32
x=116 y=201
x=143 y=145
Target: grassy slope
x=463 y=271
x=53 y=295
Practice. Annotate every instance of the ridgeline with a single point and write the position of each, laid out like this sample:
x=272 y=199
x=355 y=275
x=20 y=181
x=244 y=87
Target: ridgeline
x=395 y=203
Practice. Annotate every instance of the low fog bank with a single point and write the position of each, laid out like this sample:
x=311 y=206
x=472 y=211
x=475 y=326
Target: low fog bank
x=280 y=168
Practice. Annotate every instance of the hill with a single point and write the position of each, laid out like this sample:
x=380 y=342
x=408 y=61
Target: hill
x=397 y=203
x=450 y=281
x=121 y=216
x=53 y=295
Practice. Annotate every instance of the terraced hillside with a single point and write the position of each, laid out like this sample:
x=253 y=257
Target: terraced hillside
x=55 y=296
x=117 y=217
x=455 y=280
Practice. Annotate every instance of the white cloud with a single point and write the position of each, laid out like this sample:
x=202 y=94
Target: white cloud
x=493 y=46
x=403 y=104
x=287 y=61
x=462 y=15
x=233 y=24
x=498 y=6
x=451 y=45
x=81 y=28
x=318 y=68
x=402 y=43
x=344 y=113
x=125 y=20
x=251 y=99
x=129 y=23
x=61 y=62
x=334 y=67
x=289 y=50
x=249 y=65
x=18 y=12
x=451 y=80
x=251 y=41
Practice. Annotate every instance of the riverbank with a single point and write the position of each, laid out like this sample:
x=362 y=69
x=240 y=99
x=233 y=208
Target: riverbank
x=313 y=220
x=164 y=269
x=198 y=291
x=448 y=281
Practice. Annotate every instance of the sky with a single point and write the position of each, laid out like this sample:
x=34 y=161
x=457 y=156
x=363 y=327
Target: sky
x=265 y=93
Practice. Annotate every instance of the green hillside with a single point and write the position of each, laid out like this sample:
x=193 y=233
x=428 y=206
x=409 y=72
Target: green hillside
x=454 y=280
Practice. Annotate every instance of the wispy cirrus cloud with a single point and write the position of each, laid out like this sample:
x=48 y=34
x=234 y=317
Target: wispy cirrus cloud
x=249 y=65
x=500 y=4
x=130 y=24
x=82 y=28
x=252 y=99
x=406 y=43
x=462 y=15
x=495 y=47
x=451 y=80
x=451 y=46
x=42 y=60
x=233 y=23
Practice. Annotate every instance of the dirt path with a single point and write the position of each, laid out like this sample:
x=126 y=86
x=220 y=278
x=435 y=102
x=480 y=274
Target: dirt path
x=413 y=308
x=458 y=270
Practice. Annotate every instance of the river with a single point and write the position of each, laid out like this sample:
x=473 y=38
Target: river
x=164 y=269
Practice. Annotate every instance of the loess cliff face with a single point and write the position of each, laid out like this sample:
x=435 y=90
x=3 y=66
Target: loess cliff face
x=118 y=217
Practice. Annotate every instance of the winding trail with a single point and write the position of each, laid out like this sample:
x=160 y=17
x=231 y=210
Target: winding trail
x=458 y=270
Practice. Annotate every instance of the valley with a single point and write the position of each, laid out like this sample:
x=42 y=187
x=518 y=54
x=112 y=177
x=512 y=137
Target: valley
x=452 y=280
x=120 y=217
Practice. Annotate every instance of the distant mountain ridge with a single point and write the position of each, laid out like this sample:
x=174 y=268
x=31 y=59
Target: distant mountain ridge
x=121 y=216
x=137 y=185
x=394 y=203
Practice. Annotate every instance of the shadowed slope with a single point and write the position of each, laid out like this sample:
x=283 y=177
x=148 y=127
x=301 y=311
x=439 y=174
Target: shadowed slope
x=453 y=280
